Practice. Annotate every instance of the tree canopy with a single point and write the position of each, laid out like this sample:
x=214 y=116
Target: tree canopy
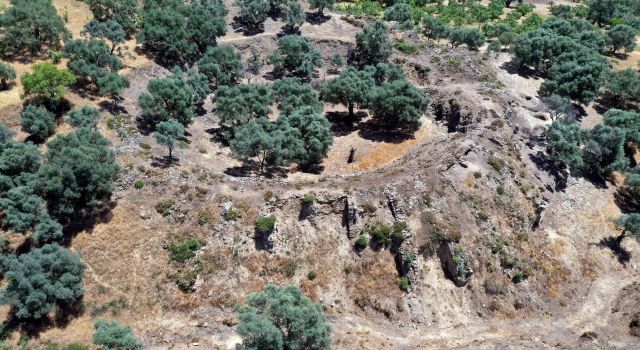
x=38 y=122
x=85 y=117
x=167 y=98
x=89 y=60
x=110 y=335
x=18 y=164
x=292 y=94
x=622 y=36
x=623 y=87
x=237 y=105
x=351 y=89
x=296 y=55
x=397 y=104
x=21 y=208
x=108 y=30
x=47 y=81
x=282 y=318
x=29 y=25
x=123 y=12
x=373 y=45
x=7 y=74
x=41 y=280
x=79 y=172
x=222 y=66
x=253 y=12
x=167 y=133
x=320 y=5
x=179 y=32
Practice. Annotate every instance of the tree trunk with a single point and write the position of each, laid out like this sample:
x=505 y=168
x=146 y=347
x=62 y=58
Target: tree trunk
x=3 y=82
x=170 y=154
x=350 y=106
x=619 y=238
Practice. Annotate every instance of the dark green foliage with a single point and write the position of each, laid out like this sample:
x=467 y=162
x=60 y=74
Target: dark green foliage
x=48 y=230
x=564 y=142
x=85 y=117
x=124 y=12
x=184 y=250
x=380 y=233
x=240 y=104
x=90 y=59
x=558 y=106
x=253 y=12
x=7 y=74
x=265 y=224
x=21 y=208
x=433 y=28
x=397 y=104
x=194 y=81
x=293 y=14
x=604 y=150
x=110 y=335
x=561 y=11
x=622 y=36
x=108 y=30
x=254 y=139
x=627 y=121
x=315 y=133
x=385 y=72
x=471 y=37
x=30 y=25
x=41 y=280
x=320 y=5
x=221 y=65
x=292 y=94
x=282 y=318
x=362 y=242
x=603 y=12
x=46 y=81
x=167 y=98
x=404 y=284
x=38 y=122
x=629 y=224
x=351 y=89
x=179 y=32
x=581 y=31
x=401 y=13
x=18 y=164
x=296 y=55
x=623 y=86
x=112 y=84
x=336 y=61
x=79 y=172
x=5 y=134
x=577 y=74
x=373 y=45
x=167 y=133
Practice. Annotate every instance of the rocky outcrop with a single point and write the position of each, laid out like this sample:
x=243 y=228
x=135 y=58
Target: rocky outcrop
x=455 y=263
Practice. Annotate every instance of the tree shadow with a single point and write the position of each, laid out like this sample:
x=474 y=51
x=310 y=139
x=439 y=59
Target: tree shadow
x=374 y=131
x=514 y=68
x=251 y=168
x=612 y=243
x=239 y=26
x=316 y=169
x=86 y=221
x=542 y=163
x=289 y=30
x=112 y=107
x=342 y=125
x=315 y=18
x=61 y=318
x=625 y=201
x=163 y=162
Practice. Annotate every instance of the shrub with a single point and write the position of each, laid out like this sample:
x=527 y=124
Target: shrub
x=138 y=184
x=312 y=275
x=380 y=233
x=309 y=198
x=496 y=163
x=205 y=216
x=38 y=122
x=405 y=47
x=184 y=250
x=265 y=224
x=187 y=280
x=110 y=335
x=404 y=284
x=369 y=208
x=500 y=190
x=519 y=276
x=493 y=287
x=232 y=214
x=164 y=207
x=362 y=242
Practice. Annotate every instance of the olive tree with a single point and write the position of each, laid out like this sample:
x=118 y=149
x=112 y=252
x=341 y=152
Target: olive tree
x=237 y=105
x=622 y=36
x=28 y=26
x=296 y=55
x=282 y=318
x=622 y=87
x=351 y=89
x=373 y=45
x=253 y=12
x=629 y=224
x=315 y=133
x=397 y=104
x=108 y=30
x=19 y=163
x=564 y=143
x=292 y=94
x=603 y=151
x=38 y=122
x=167 y=133
x=123 y=12
x=90 y=60
x=41 y=280
x=320 y=5
x=222 y=66
x=85 y=117
x=78 y=174
x=21 y=208
x=167 y=98
x=7 y=74
x=471 y=37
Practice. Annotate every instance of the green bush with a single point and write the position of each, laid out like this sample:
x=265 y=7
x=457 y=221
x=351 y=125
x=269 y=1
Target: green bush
x=204 y=217
x=380 y=233
x=110 y=335
x=500 y=190
x=309 y=198
x=187 y=280
x=138 y=184
x=231 y=214
x=362 y=242
x=405 y=47
x=404 y=284
x=312 y=275
x=184 y=250
x=265 y=224
x=520 y=276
